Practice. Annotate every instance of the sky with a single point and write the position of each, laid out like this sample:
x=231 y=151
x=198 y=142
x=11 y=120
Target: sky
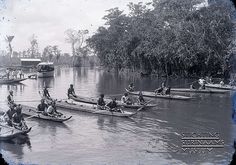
x=49 y=19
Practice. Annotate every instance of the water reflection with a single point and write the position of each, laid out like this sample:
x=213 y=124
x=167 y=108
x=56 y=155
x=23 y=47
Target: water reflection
x=106 y=121
x=45 y=82
x=16 y=146
x=108 y=140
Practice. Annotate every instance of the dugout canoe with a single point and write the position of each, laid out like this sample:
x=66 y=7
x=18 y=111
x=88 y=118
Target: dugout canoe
x=31 y=111
x=211 y=91
x=153 y=95
x=8 y=133
x=219 y=86
x=92 y=109
x=11 y=81
x=91 y=100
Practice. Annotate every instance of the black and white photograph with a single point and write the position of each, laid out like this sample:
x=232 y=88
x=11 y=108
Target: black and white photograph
x=117 y=82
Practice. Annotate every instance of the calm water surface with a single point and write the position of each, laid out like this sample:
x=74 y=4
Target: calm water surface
x=152 y=137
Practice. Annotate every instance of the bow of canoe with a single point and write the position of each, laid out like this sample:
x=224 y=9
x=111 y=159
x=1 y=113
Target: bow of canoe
x=8 y=133
x=219 y=86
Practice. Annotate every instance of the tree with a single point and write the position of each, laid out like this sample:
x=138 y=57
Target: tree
x=174 y=37
x=9 y=40
x=76 y=38
x=51 y=51
x=33 y=50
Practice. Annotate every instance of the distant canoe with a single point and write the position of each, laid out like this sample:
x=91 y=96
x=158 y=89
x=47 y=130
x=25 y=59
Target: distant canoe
x=33 y=76
x=31 y=111
x=11 y=81
x=198 y=90
x=8 y=133
x=219 y=86
x=91 y=100
x=153 y=95
x=92 y=109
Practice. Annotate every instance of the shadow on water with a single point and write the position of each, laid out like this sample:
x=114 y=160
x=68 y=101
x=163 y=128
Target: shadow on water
x=51 y=127
x=104 y=122
x=16 y=145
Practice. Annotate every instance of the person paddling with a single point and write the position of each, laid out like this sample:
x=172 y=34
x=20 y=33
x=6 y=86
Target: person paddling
x=192 y=86
x=17 y=119
x=160 y=90
x=10 y=99
x=125 y=99
x=131 y=87
x=46 y=93
x=9 y=113
x=51 y=110
x=141 y=100
x=42 y=106
x=71 y=91
x=202 y=83
x=168 y=91
x=112 y=106
x=101 y=103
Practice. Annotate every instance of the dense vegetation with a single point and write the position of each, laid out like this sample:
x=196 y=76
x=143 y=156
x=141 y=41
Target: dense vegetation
x=180 y=37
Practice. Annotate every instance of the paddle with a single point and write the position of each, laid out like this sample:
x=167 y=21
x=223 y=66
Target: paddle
x=6 y=126
x=24 y=101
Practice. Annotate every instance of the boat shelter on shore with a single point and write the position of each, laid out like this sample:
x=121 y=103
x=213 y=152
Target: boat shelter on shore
x=29 y=62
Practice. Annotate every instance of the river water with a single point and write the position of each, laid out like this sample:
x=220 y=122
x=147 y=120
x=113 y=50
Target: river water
x=152 y=137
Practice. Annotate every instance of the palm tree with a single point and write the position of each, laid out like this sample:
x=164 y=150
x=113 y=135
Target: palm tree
x=9 y=40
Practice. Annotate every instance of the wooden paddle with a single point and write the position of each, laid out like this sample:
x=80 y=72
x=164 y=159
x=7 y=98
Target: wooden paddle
x=6 y=126
x=32 y=116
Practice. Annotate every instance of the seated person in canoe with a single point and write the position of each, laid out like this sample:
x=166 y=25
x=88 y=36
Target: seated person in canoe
x=46 y=93
x=52 y=110
x=18 y=120
x=192 y=86
x=222 y=83
x=131 y=87
x=9 y=113
x=160 y=90
x=202 y=83
x=209 y=80
x=232 y=82
x=21 y=74
x=167 y=91
x=42 y=107
x=141 y=100
x=101 y=103
x=112 y=106
x=71 y=91
x=125 y=99
x=10 y=99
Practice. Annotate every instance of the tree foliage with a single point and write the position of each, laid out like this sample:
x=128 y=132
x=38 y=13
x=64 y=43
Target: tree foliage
x=51 y=52
x=33 y=51
x=170 y=36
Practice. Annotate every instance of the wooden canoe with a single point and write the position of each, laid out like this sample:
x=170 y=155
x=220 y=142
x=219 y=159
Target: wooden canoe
x=153 y=95
x=90 y=100
x=211 y=91
x=11 y=81
x=92 y=109
x=8 y=133
x=219 y=86
x=31 y=111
